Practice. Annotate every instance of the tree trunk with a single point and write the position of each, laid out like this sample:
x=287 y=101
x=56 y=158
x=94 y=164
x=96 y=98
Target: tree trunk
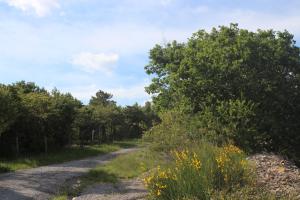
x=46 y=144
x=104 y=133
x=99 y=135
x=70 y=139
x=93 y=133
x=17 y=145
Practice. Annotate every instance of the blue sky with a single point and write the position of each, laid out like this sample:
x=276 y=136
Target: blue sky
x=81 y=46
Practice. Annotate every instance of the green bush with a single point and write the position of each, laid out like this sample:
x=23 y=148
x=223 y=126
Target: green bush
x=220 y=123
x=225 y=122
x=170 y=133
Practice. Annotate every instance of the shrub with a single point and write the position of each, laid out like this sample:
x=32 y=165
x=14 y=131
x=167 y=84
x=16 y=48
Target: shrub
x=170 y=133
x=197 y=173
x=220 y=123
x=227 y=121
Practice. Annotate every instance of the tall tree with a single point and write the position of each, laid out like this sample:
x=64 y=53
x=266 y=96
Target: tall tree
x=229 y=63
x=102 y=98
x=9 y=108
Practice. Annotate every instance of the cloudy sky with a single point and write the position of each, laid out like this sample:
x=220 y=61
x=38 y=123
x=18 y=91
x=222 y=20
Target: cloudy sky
x=80 y=46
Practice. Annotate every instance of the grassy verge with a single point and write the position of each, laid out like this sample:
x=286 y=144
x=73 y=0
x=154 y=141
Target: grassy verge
x=123 y=167
x=66 y=154
x=137 y=163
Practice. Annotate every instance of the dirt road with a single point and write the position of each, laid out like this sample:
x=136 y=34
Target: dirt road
x=42 y=182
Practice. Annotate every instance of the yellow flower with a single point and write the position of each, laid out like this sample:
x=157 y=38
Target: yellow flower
x=232 y=149
x=148 y=180
x=243 y=163
x=163 y=175
x=196 y=163
x=158 y=192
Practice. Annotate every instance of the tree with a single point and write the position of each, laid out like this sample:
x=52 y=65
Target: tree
x=40 y=109
x=85 y=124
x=8 y=108
x=35 y=120
x=102 y=98
x=229 y=63
x=135 y=120
x=65 y=109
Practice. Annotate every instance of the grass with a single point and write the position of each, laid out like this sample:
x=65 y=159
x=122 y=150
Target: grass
x=141 y=162
x=60 y=197
x=129 y=165
x=123 y=167
x=66 y=154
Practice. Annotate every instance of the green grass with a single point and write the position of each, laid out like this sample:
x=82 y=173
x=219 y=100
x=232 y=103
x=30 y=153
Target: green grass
x=66 y=154
x=128 y=166
x=123 y=167
x=60 y=197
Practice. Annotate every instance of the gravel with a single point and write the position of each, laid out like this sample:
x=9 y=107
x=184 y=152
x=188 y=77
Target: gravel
x=124 y=190
x=277 y=174
x=43 y=182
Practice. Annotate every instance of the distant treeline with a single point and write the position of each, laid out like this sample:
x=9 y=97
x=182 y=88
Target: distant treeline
x=35 y=120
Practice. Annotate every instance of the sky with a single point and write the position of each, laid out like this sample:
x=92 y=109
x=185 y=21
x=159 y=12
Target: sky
x=81 y=46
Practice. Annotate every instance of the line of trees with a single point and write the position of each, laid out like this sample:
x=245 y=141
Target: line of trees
x=35 y=120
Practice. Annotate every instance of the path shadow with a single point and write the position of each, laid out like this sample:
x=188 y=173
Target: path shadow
x=4 y=169
x=8 y=194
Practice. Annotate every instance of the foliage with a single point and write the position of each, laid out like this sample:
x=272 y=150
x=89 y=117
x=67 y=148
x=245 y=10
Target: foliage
x=228 y=64
x=170 y=133
x=102 y=98
x=33 y=120
x=220 y=123
x=8 y=108
x=227 y=122
x=197 y=172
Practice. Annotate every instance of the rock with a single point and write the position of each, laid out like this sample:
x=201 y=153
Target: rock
x=278 y=175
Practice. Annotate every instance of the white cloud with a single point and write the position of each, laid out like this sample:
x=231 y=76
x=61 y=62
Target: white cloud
x=40 y=7
x=90 y=62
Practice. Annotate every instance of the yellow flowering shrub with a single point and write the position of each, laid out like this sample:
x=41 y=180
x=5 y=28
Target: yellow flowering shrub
x=232 y=166
x=197 y=173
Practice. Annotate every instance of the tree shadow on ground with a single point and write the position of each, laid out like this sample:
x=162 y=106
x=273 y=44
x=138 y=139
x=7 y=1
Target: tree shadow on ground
x=127 y=144
x=4 y=169
x=8 y=194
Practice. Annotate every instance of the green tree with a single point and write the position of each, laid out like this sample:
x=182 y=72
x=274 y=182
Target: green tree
x=64 y=113
x=8 y=108
x=229 y=63
x=40 y=108
x=102 y=98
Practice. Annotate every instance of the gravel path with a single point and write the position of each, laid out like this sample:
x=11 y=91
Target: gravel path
x=124 y=190
x=42 y=182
